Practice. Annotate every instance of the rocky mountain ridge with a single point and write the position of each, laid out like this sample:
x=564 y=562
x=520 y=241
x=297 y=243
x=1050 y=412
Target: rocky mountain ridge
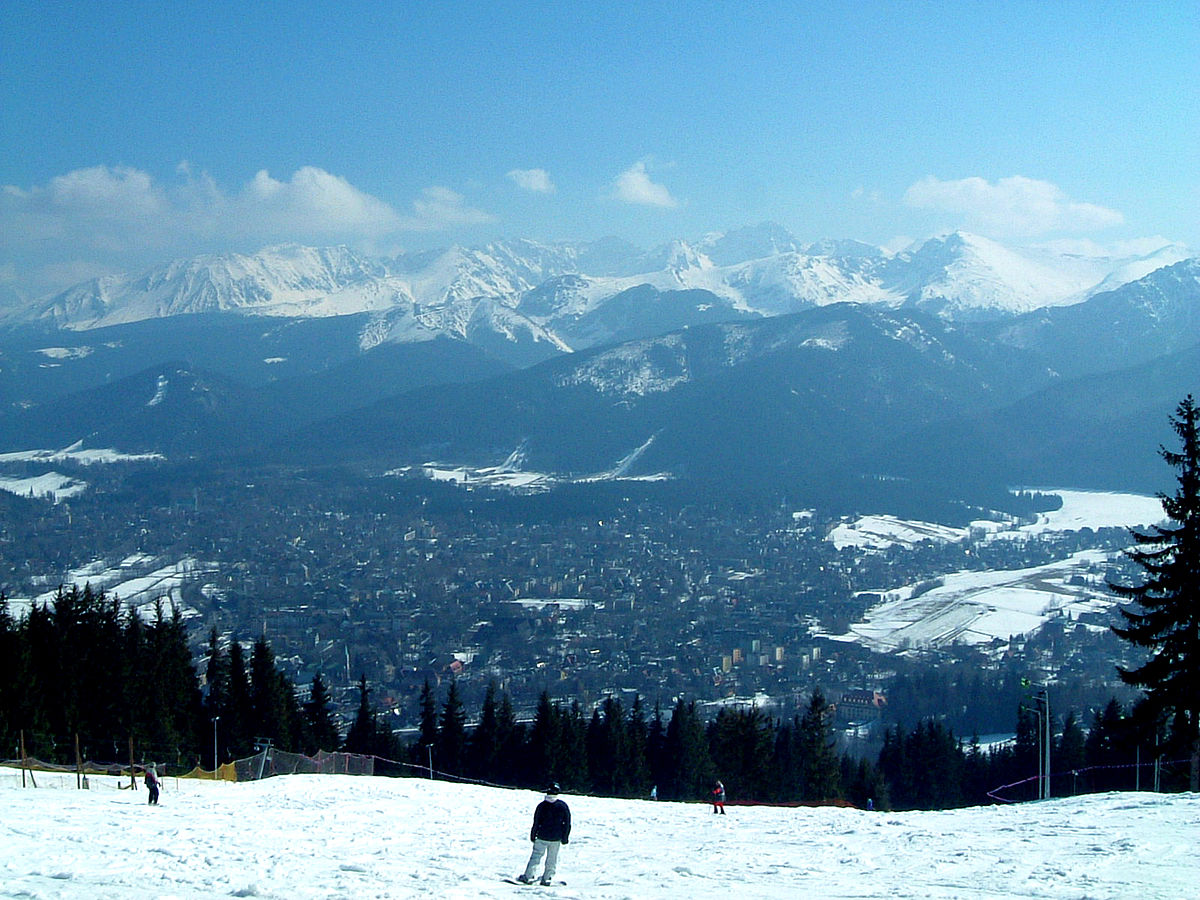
x=526 y=301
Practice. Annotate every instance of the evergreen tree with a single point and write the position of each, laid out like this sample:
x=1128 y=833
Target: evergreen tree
x=510 y=742
x=238 y=710
x=320 y=729
x=896 y=768
x=272 y=698
x=361 y=736
x=1068 y=757
x=638 y=775
x=688 y=769
x=483 y=746
x=427 y=734
x=609 y=752
x=821 y=769
x=1168 y=619
x=451 y=741
x=571 y=751
x=545 y=743
x=741 y=742
x=11 y=677
x=656 y=749
x=216 y=701
x=1103 y=748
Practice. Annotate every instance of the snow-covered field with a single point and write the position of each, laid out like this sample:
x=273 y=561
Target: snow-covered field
x=332 y=836
x=978 y=607
x=1080 y=509
x=139 y=581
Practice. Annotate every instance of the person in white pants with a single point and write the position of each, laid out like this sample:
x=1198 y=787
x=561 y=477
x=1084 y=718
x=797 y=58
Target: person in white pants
x=551 y=829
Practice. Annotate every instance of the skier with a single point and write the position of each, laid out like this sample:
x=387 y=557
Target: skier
x=551 y=829
x=152 y=784
x=718 y=798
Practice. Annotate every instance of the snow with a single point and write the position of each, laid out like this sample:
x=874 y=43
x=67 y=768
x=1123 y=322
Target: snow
x=1096 y=509
x=53 y=484
x=76 y=453
x=139 y=580
x=881 y=532
x=1080 y=509
x=338 y=836
x=49 y=484
x=978 y=607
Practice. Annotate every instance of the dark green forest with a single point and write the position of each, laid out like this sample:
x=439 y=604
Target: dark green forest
x=81 y=667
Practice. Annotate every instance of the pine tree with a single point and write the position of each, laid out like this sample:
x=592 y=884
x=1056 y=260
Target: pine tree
x=1168 y=622
x=451 y=741
x=688 y=770
x=483 y=746
x=321 y=731
x=11 y=675
x=272 y=698
x=741 y=742
x=638 y=776
x=1068 y=756
x=361 y=736
x=238 y=709
x=820 y=767
x=545 y=742
x=1103 y=745
x=510 y=743
x=216 y=701
x=427 y=733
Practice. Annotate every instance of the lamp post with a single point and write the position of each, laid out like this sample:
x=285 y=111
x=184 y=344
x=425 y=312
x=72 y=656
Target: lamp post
x=1045 y=737
x=1048 y=739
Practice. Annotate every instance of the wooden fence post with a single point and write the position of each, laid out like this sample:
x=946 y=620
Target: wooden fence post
x=78 y=765
x=25 y=763
x=132 y=780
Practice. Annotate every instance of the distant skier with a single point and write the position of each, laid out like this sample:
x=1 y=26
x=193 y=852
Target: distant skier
x=551 y=829
x=654 y=792
x=718 y=798
x=152 y=784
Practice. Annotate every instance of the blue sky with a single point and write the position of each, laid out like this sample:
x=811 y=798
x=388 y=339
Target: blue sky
x=134 y=132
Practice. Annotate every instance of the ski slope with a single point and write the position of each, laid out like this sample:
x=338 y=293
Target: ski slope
x=329 y=836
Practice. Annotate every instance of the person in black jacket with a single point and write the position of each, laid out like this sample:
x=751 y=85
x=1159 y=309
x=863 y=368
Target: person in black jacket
x=152 y=784
x=551 y=829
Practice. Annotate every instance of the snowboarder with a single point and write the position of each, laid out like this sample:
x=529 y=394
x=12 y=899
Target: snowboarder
x=718 y=798
x=152 y=784
x=551 y=829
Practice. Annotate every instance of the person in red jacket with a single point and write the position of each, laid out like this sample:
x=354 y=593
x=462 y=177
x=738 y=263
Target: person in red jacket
x=551 y=829
x=718 y=798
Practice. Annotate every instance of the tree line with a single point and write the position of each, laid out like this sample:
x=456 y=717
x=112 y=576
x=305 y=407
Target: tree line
x=82 y=666
x=627 y=751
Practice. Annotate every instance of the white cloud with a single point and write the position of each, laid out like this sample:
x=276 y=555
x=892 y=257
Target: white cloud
x=634 y=186
x=1142 y=246
x=1012 y=207
x=105 y=219
x=536 y=180
x=440 y=207
x=313 y=202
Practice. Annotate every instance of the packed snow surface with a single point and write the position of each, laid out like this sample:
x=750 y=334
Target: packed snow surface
x=336 y=836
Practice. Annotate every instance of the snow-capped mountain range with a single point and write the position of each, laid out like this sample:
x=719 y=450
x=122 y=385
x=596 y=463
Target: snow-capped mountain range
x=526 y=301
